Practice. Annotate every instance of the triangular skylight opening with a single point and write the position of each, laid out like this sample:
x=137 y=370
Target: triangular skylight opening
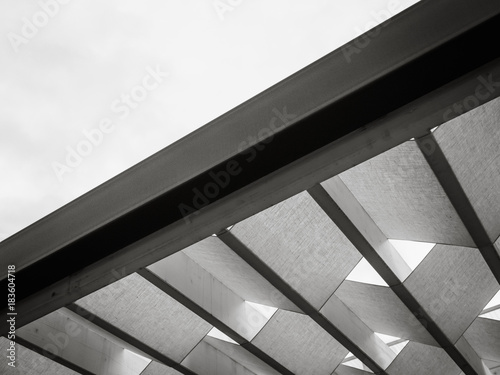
x=397 y=348
x=395 y=343
x=140 y=361
x=493 y=315
x=492 y=309
x=495 y=301
x=365 y=273
x=412 y=252
x=356 y=363
x=267 y=311
x=387 y=338
x=349 y=356
x=215 y=333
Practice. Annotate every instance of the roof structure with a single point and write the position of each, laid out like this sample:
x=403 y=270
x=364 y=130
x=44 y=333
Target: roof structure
x=210 y=258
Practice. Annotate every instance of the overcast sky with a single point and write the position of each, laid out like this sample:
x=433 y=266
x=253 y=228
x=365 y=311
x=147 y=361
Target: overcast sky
x=68 y=74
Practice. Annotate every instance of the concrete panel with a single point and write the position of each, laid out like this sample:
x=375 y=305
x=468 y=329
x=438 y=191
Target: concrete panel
x=229 y=310
x=241 y=356
x=30 y=362
x=301 y=345
x=227 y=267
x=470 y=144
x=383 y=311
x=347 y=213
x=452 y=284
x=300 y=242
x=457 y=196
x=156 y=368
x=420 y=359
x=401 y=194
x=59 y=335
x=87 y=319
x=346 y=370
x=138 y=308
x=472 y=357
x=484 y=336
x=493 y=366
x=194 y=282
x=207 y=360
x=350 y=325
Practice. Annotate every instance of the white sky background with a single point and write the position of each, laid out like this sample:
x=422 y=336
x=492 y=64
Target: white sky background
x=64 y=79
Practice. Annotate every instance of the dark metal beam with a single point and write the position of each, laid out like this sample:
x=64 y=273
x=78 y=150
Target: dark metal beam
x=349 y=219
x=444 y=173
x=345 y=111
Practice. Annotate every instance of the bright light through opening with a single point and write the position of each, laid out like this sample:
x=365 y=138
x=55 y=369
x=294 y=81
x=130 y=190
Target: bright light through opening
x=267 y=311
x=134 y=358
x=357 y=364
x=387 y=338
x=397 y=348
x=215 y=333
x=495 y=301
x=365 y=273
x=412 y=252
x=395 y=343
x=494 y=315
x=495 y=304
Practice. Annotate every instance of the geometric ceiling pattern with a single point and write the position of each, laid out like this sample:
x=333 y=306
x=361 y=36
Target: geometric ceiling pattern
x=275 y=285
x=295 y=257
